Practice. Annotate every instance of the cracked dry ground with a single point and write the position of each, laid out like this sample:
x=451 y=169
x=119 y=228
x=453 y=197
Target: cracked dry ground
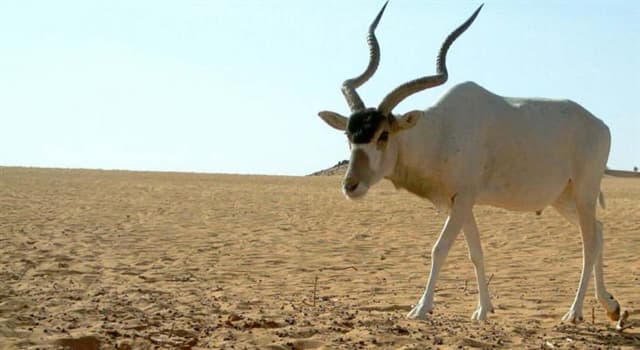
x=127 y=260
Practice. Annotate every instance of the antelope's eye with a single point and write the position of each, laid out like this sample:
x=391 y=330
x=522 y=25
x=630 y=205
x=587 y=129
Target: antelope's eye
x=384 y=136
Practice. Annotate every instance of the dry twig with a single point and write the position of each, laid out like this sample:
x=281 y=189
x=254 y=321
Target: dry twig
x=336 y=268
x=171 y=331
x=315 y=289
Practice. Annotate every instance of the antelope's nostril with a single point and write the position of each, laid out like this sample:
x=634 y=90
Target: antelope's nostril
x=350 y=186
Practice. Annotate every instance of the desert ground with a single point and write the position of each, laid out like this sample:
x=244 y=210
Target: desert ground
x=141 y=260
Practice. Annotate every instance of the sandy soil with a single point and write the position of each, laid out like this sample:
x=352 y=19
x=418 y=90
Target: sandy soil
x=95 y=259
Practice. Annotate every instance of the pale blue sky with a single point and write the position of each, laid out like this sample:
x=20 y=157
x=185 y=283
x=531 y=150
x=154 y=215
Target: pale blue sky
x=235 y=86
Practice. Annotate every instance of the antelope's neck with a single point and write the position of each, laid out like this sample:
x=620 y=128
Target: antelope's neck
x=418 y=166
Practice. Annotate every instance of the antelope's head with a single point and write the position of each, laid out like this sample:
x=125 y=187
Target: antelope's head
x=372 y=132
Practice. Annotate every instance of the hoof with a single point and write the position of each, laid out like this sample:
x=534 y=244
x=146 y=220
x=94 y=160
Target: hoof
x=481 y=313
x=615 y=314
x=620 y=326
x=416 y=316
x=573 y=317
x=419 y=313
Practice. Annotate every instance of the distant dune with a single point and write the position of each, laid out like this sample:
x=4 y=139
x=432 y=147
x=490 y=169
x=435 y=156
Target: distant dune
x=622 y=173
x=338 y=169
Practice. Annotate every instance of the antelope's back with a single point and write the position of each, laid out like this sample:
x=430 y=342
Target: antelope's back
x=526 y=149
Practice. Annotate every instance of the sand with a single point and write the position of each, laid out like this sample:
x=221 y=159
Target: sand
x=130 y=260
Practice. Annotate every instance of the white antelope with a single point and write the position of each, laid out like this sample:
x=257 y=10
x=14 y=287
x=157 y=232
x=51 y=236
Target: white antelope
x=475 y=147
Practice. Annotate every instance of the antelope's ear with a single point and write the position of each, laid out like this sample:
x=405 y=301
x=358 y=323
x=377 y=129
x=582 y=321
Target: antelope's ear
x=407 y=121
x=334 y=120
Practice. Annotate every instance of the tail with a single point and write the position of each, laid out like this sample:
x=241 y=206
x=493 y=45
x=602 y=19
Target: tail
x=601 y=200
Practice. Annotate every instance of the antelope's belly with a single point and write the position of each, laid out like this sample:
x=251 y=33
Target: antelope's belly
x=526 y=191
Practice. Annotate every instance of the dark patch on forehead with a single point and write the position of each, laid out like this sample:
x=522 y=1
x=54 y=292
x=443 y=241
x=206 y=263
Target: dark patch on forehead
x=362 y=125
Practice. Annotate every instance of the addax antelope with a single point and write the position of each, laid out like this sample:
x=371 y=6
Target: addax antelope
x=474 y=147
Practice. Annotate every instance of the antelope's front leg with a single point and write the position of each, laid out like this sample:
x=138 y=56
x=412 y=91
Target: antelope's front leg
x=460 y=211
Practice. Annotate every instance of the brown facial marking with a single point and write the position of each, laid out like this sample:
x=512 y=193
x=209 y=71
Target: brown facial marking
x=359 y=166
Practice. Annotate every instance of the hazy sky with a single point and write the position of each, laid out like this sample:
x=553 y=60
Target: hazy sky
x=235 y=86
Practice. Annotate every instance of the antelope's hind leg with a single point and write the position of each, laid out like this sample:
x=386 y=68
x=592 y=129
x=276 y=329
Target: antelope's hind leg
x=610 y=304
x=566 y=206
x=471 y=235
